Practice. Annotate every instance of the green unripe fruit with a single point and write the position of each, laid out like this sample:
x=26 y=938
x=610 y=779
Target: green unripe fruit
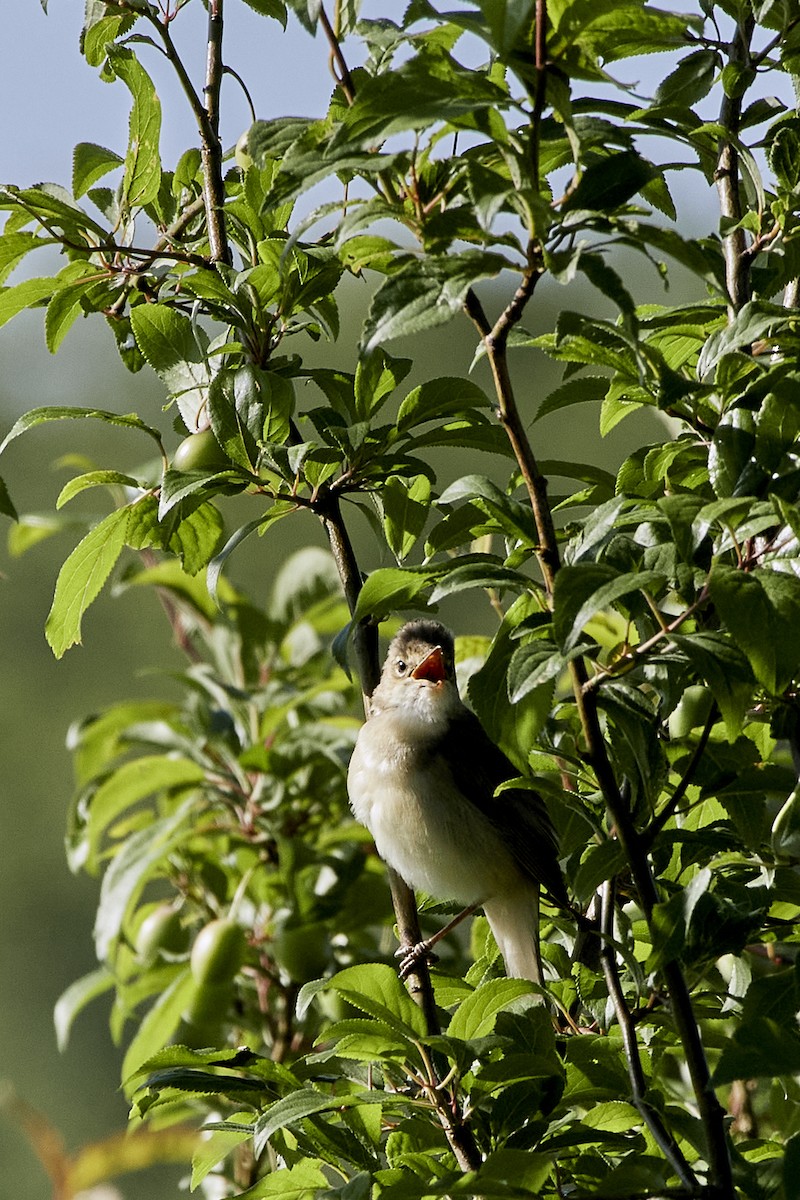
x=218 y=952
x=692 y=710
x=203 y=1019
x=200 y=452
x=160 y=932
x=242 y=154
x=302 y=951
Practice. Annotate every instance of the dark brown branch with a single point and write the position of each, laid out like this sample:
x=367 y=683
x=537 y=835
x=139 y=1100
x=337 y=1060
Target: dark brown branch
x=495 y=339
x=711 y=1112
x=211 y=149
x=342 y=72
x=365 y=643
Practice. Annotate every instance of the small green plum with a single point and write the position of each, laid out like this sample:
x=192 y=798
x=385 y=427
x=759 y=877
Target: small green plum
x=242 y=154
x=218 y=952
x=160 y=932
x=691 y=711
x=198 y=452
x=302 y=951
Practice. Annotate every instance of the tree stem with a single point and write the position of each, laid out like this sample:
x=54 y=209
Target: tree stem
x=711 y=1113
x=365 y=643
x=737 y=262
x=211 y=149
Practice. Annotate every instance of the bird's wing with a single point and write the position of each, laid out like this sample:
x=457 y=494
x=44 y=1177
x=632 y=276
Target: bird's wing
x=519 y=815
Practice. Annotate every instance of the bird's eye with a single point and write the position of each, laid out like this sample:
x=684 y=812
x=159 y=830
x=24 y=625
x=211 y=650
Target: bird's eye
x=401 y=667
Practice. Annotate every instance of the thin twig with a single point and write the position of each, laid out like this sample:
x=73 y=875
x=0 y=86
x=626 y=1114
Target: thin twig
x=342 y=73
x=206 y=114
x=661 y=1135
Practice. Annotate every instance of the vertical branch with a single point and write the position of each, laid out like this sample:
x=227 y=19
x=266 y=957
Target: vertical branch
x=495 y=340
x=737 y=262
x=211 y=150
x=365 y=642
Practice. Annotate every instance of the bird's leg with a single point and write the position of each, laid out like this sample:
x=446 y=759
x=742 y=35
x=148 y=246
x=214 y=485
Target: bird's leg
x=411 y=955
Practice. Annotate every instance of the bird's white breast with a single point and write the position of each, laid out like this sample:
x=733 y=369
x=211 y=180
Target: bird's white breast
x=422 y=825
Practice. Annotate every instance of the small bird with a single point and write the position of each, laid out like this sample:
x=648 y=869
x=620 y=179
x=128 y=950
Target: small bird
x=422 y=779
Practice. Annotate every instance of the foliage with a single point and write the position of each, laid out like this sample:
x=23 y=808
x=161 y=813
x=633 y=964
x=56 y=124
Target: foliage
x=644 y=668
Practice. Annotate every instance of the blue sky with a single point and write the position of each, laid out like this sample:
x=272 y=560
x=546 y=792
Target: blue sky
x=51 y=99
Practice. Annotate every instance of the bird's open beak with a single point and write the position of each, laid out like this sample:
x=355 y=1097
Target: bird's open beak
x=431 y=667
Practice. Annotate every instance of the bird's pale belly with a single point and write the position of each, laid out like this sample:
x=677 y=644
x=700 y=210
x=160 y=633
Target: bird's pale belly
x=424 y=828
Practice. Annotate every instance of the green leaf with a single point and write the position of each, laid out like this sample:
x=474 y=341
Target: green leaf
x=158 y=1024
x=71 y=1002
x=142 y=180
x=196 y=537
x=376 y=990
x=377 y=375
x=216 y=1144
x=759 y=1048
x=176 y=350
x=305 y=1180
x=424 y=89
x=583 y=591
x=131 y=783
x=425 y=293
x=392 y=588
x=671 y=920
x=305 y=1102
x=90 y=163
x=508 y=21
x=689 y=82
x=6 y=503
x=67 y=303
x=579 y=390
x=80 y=483
x=762 y=612
x=81 y=578
x=514 y=727
x=14 y=247
x=784 y=154
x=755 y=320
x=276 y=9
x=513 y=517
x=130 y=871
x=437 y=399
x=476 y=1015
x=406 y=505
x=28 y=294
x=472 y=571
x=39 y=416
x=725 y=668
x=610 y=183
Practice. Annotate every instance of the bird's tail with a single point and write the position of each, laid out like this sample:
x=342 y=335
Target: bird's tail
x=514 y=921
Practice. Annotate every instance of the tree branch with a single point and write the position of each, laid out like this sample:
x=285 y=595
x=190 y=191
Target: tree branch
x=211 y=149
x=365 y=643
x=662 y=1137
x=635 y=849
x=737 y=262
x=206 y=114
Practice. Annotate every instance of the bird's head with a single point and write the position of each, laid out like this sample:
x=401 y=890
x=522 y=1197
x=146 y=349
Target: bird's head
x=419 y=672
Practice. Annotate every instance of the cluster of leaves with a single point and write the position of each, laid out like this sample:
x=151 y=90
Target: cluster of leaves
x=645 y=666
